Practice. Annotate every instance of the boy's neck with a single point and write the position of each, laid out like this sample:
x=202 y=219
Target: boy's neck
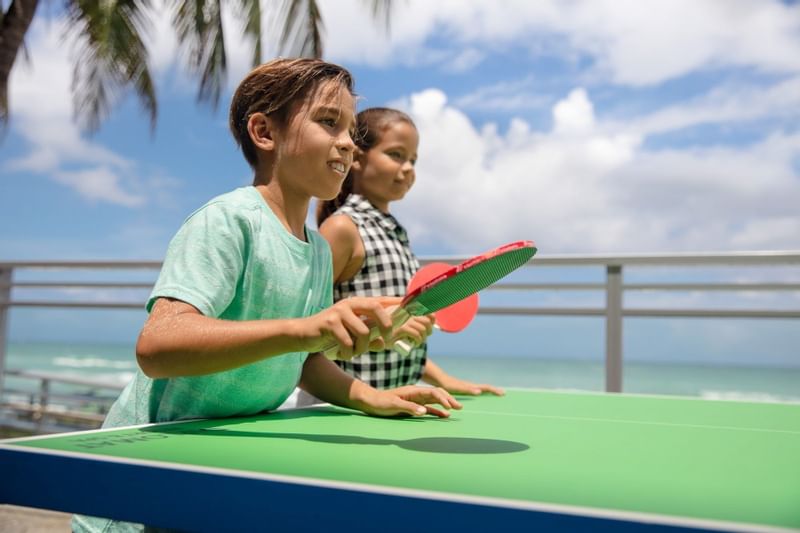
x=291 y=212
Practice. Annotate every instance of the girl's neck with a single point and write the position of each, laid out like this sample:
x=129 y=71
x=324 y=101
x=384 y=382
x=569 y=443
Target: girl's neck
x=380 y=205
x=290 y=211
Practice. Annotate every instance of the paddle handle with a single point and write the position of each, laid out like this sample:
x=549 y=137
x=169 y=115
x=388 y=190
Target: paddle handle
x=404 y=347
x=399 y=317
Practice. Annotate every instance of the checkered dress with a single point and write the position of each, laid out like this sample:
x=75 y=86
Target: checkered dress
x=388 y=266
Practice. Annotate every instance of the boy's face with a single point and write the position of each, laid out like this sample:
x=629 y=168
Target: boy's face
x=386 y=171
x=317 y=145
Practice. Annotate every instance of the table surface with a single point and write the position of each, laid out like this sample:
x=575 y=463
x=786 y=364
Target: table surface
x=669 y=461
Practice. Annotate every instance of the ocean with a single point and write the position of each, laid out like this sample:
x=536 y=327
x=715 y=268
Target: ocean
x=116 y=364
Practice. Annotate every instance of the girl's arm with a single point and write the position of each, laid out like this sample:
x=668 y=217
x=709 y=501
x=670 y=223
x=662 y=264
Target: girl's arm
x=177 y=340
x=346 y=246
x=434 y=375
x=329 y=383
x=348 y=253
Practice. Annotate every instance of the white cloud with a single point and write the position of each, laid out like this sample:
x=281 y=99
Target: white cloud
x=465 y=60
x=41 y=104
x=99 y=184
x=724 y=104
x=631 y=42
x=517 y=95
x=579 y=188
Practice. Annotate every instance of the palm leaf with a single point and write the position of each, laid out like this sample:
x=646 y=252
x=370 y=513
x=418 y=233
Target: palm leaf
x=382 y=10
x=301 y=35
x=251 y=13
x=111 y=57
x=198 y=24
x=14 y=23
x=303 y=28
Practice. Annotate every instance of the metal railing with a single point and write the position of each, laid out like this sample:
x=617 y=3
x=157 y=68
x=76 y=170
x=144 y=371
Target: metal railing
x=49 y=411
x=613 y=287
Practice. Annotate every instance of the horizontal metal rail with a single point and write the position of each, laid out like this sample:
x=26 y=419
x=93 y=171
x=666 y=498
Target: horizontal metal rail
x=82 y=292
x=663 y=313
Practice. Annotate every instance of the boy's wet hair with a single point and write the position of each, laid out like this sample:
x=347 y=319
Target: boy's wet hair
x=370 y=125
x=272 y=88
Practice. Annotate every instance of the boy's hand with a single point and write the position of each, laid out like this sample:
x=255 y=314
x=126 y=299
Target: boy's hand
x=344 y=323
x=410 y=400
x=415 y=330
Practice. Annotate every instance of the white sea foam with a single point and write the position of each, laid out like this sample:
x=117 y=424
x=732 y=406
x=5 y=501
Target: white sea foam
x=742 y=396
x=92 y=362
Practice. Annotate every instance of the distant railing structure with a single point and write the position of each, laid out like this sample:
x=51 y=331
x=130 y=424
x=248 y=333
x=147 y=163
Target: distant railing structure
x=613 y=287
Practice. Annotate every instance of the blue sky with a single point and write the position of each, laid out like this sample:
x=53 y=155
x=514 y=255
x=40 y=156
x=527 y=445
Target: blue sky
x=587 y=126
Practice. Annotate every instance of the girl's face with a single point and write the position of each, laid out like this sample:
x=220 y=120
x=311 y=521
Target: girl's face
x=315 y=148
x=385 y=172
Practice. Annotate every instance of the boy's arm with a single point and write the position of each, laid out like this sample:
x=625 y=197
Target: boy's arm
x=178 y=340
x=329 y=383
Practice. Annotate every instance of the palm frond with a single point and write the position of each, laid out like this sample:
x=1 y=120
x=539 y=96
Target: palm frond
x=111 y=57
x=302 y=29
x=198 y=24
x=14 y=24
x=382 y=11
x=251 y=13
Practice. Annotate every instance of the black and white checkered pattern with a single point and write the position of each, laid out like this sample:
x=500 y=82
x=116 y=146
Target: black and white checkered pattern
x=388 y=266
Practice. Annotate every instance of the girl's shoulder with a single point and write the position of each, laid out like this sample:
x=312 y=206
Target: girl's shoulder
x=357 y=208
x=339 y=226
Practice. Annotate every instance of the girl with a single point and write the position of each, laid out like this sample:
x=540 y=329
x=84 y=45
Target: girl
x=371 y=251
x=244 y=293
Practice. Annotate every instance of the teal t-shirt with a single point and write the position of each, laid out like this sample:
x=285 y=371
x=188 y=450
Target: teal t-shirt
x=232 y=259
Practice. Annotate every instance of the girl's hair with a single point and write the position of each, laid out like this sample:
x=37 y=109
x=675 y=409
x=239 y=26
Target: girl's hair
x=271 y=88
x=370 y=125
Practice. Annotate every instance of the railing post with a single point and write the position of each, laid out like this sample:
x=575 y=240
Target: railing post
x=5 y=298
x=44 y=400
x=614 y=328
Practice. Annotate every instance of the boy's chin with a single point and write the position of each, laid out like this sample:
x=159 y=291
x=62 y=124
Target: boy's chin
x=327 y=196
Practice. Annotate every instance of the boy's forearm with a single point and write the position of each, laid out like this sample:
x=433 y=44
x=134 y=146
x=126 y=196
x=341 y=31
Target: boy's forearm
x=192 y=344
x=325 y=380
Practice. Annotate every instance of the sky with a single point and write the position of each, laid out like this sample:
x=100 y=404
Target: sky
x=603 y=126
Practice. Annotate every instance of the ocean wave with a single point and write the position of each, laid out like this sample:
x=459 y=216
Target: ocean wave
x=121 y=378
x=749 y=396
x=92 y=362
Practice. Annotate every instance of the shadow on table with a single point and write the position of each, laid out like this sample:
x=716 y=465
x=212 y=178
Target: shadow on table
x=220 y=428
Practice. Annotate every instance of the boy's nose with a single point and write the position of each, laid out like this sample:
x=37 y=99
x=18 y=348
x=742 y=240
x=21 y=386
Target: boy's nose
x=345 y=142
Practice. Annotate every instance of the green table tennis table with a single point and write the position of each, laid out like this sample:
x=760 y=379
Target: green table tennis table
x=532 y=460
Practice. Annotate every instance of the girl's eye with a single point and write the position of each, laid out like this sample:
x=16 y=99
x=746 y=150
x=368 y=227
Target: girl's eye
x=328 y=121
x=397 y=156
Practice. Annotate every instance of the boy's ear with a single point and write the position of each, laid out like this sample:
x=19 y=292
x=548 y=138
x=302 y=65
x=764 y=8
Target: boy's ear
x=261 y=129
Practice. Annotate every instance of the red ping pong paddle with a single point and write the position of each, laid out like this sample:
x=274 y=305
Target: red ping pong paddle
x=451 y=319
x=457 y=283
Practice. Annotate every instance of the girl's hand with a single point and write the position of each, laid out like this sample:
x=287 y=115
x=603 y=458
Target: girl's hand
x=410 y=400
x=459 y=386
x=344 y=323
